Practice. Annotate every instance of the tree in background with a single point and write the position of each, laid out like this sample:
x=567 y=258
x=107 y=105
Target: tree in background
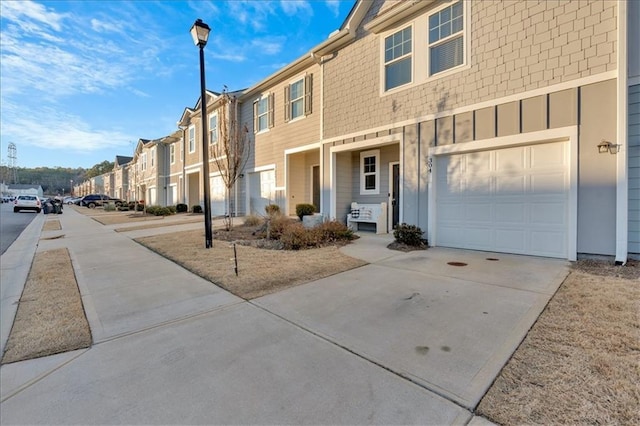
x=231 y=152
x=99 y=169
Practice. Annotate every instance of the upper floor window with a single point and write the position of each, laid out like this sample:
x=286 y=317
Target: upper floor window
x=153 y=156
x=397 y=59
x=370 y=172
x=192 y=139
x=263 y=113
x=172 y=153
x=446 y=38
x=143 y=157
x=297 y=96
x=213 y=129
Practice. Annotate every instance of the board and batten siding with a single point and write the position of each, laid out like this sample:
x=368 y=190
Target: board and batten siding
x=634 y=170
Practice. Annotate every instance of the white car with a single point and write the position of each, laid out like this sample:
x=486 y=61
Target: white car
x=27 y=202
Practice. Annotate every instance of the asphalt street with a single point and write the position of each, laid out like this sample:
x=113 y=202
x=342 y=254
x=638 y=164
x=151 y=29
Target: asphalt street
x=12 y=224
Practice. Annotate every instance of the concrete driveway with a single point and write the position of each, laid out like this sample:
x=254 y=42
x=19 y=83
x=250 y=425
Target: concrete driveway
x=447 y=328
x=406 y=339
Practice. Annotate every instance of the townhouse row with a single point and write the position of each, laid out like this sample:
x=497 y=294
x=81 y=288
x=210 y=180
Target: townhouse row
x=507 y=126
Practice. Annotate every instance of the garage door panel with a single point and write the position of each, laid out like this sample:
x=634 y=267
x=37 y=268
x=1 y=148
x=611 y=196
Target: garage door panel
x=481 y=185
x=511 y=160
x=546 y=156
x=510 y=240
x=510 y=213
x=546 y=183
x=549 y=214
x=514 y=200
x=511 y=185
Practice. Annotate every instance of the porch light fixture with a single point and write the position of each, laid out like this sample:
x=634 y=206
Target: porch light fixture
x=606 y=146
x=200 y=34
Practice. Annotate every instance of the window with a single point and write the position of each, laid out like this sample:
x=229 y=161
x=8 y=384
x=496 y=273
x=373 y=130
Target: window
x=297 y=96
x=446 y=41
x=192 y=139
x=370 y=172
x=172 y=153
x=397 y=59
x=153 y=156
x=143 y=157
x=263 y=113
x=213 y=129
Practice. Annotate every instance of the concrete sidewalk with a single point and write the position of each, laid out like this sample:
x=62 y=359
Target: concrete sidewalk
x=404 y=340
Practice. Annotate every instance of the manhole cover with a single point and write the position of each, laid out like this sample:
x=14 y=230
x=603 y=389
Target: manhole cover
x=493 y=259
x=456 y=263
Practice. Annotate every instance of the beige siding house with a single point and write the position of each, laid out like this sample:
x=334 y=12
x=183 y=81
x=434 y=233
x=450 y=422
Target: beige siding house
x=481 y=122
x=120 y=177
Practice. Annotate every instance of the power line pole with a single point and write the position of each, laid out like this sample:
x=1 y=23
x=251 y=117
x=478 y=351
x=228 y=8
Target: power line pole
x=12 y=155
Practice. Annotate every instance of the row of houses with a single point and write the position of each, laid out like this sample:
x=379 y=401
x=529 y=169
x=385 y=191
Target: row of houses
x=508 y=126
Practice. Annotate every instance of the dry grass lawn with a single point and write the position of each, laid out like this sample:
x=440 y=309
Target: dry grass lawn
x=51 y=225
x=580 y=362
x=50 y=317
x=159 y=225
x=260 y=271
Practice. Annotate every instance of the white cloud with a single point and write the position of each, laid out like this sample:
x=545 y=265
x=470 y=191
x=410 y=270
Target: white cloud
x=30 y=15
x=296 y=7
x=103 y=26
x=50 y=128
x=334 y=6
x=228 y=57
x=268 y=46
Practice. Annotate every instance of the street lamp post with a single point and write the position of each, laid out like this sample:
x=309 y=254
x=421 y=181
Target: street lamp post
x=200 y=34
x=71 y=187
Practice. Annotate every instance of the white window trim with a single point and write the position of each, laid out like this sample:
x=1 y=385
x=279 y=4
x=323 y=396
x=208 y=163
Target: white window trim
x=143 y=162
x=301 y=98
x=263 y=97
x=410 y=55
x=420 y=50
x=448 y=38
x=217 y=131
x=153 y=156
x=365 y=154
x=172 y=154
x=192 y=141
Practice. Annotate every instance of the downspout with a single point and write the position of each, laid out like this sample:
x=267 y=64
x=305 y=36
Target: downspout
x=320 y=61
x=622 y=184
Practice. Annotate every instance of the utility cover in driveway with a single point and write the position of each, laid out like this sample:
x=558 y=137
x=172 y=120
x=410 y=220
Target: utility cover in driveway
x=512 y=200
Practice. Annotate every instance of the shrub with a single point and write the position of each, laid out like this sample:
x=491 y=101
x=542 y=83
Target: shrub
x=296 y=237
x=333 y=231
x=272 y=210
x=182 y=208
x=305 y=210
x=159 y=210
x=410 y=235
x=196 y=208
x=172 y=209
x=137 y=207
x=253 y=220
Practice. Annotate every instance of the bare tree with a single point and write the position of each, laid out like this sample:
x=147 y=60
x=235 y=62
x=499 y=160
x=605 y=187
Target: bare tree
x=231 y=152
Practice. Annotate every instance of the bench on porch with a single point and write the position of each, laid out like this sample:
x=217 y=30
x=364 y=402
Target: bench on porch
x=368 y=213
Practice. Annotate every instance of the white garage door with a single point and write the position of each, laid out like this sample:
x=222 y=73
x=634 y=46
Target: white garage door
x=512 y=200
x=217 y=196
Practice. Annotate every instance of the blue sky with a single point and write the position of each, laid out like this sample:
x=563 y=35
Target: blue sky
x=82 y=81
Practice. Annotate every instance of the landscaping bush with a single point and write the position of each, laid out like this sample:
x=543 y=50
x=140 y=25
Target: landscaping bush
x=196 y=208
x=272 y=210
x=160 y=210
x=137 y=207
x=296 y=237
x=172 y=209
x=253 y=220
x=333 y=231
x=410 y=235
x=305 y=210
x=182 y=208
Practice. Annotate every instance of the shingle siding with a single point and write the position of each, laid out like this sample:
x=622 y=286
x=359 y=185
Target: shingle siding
x=516 y=46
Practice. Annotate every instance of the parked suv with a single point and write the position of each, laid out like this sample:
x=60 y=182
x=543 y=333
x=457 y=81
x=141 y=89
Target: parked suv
x=27 y=202
x=97 y=200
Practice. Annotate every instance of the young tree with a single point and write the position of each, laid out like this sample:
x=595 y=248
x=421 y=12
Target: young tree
x=231 y=152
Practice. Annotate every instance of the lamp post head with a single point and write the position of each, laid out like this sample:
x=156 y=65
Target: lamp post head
x=200 y=33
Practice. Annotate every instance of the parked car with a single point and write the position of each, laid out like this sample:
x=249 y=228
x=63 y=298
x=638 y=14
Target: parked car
x=98 y=200
x=27 y=202
x=73 y=200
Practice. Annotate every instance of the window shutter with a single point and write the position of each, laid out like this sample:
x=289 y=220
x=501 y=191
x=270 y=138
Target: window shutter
x=287 y=103
x=255 y=117
x=271 y=106
x=308 y=85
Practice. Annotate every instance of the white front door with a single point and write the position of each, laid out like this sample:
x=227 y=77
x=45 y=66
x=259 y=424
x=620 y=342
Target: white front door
x=512 y=200
x=217 y=196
